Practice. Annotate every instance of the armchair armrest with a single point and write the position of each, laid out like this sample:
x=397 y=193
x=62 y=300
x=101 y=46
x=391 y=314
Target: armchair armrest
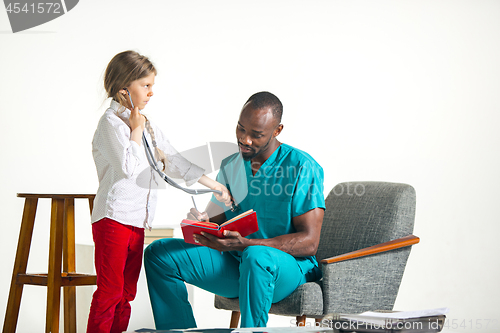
x=383 y=247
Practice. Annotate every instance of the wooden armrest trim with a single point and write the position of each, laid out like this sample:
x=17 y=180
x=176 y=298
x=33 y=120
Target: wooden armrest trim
x=387 y=246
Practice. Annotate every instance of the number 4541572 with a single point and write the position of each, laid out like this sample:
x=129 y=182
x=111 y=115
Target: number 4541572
x=40 y=8
x=470 y=324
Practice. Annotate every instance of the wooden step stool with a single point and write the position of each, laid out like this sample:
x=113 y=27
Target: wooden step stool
x=61 y=253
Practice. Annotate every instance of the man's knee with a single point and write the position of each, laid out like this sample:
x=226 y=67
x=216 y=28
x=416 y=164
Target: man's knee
x=259 y=257
x=158 y=253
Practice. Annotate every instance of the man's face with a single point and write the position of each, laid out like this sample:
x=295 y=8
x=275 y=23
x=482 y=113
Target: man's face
x=255 y=130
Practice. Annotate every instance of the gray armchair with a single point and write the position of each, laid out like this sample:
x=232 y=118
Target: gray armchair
x=365 y=242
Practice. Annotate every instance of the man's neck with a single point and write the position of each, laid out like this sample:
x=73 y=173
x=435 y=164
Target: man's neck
x=257 y=162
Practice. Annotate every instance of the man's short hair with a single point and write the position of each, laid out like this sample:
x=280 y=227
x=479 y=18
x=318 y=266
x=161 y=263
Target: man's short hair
x=265 y=99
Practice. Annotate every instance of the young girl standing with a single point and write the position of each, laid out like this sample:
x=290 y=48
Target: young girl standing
x=124 y=204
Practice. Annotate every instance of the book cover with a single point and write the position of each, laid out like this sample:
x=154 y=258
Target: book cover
x=245 y=224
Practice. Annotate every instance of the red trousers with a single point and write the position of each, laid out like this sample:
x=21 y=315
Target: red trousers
x=118 y=260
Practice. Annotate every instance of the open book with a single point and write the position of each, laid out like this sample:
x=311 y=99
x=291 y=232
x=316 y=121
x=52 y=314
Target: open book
x=245 y=224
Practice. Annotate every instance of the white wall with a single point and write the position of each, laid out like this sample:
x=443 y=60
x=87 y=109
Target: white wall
x=402 y=91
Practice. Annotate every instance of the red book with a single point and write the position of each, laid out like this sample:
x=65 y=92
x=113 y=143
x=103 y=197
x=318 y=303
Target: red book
x=245 y=224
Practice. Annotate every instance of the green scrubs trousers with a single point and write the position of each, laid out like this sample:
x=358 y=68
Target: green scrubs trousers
x=259 y=276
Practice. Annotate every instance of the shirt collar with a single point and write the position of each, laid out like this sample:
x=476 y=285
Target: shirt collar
x=121 y=111
x=274 y=156
x=266 y=166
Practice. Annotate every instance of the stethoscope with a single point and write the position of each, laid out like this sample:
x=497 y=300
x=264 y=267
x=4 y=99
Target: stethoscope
x=168 y=180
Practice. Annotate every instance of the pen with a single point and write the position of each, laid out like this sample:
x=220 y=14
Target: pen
x=234 y=205
x=194 y=203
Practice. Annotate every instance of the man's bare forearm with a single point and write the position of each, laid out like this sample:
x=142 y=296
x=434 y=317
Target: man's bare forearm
x=304 y=242
x=297 y=244
x=215 y=213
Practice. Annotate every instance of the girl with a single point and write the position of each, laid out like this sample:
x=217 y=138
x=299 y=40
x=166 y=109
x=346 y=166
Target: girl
x=125 y=203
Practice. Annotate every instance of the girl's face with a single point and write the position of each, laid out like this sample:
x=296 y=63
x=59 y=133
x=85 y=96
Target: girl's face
x=141 y=91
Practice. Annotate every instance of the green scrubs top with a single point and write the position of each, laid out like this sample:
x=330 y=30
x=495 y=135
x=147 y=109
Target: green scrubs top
x=288 y=184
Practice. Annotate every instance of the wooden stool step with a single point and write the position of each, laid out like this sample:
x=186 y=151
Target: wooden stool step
x=61 y=270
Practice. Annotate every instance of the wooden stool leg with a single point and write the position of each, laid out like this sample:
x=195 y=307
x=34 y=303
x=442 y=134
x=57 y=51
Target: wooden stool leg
x=301 y=320
x=91 y=204
x=54 y=278
x=20 y=264
x=235 y=318
x=69 y=265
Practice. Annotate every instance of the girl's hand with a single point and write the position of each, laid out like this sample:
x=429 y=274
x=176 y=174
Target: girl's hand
x=137 y=120
x=225 y=197
x=137 y=124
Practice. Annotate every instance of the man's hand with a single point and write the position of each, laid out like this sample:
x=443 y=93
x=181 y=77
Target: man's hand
x=304 y=242
x=232 y=241
x=194 y=214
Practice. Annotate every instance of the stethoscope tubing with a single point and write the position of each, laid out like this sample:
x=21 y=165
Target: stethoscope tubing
x=168 y=180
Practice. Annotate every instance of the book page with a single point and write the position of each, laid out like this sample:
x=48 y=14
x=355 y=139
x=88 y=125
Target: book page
x=407 y=314
x=381 y=318
x=238 y=217
x=204 y=223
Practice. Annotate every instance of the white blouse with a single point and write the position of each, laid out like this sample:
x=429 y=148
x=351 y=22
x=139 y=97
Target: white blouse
x=127 y=183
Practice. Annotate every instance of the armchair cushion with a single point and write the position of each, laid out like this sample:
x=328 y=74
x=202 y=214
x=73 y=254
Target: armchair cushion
x=308 y=298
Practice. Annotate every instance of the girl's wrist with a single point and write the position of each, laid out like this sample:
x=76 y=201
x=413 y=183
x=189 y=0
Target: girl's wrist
x=208 y=182
x=136 y=135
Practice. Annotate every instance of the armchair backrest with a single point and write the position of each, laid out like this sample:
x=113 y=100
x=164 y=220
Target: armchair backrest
x=363 y=214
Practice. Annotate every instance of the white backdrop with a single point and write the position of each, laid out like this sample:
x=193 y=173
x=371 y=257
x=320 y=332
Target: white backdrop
x=400 y=91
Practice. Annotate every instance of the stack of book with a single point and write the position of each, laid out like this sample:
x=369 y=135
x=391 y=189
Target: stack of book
x=157 y=233
x=424 y=321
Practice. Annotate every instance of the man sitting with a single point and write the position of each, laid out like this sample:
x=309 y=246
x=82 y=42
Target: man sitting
x=284 y=186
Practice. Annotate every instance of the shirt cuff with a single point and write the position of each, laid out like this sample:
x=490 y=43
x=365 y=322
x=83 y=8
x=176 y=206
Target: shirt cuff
x=136 y=150
x=193 y=174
